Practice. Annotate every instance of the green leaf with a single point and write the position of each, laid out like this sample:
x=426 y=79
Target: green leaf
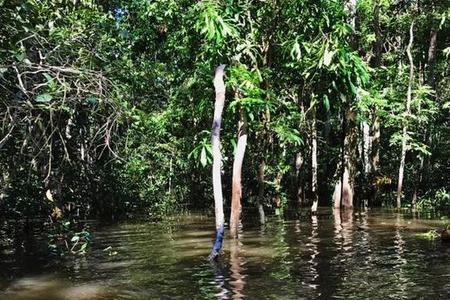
x=92 y=100
x=75 y=238
x=203 y=159
x=326 y=102
x=83 y=247
x=327 y=57
x=44 y=98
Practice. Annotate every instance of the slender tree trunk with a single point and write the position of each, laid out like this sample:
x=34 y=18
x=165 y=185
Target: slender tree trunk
x=374 y=155
x=401 y=169
x=217 y=160
x=259 y=200
x=299 y=161
x=262 y=168
x=237 y=171
x=277 y=181
x=375 y=133
x=431 y=81
x=365 y=150
x=417 y=185
x=314 y=161
x=366 y=146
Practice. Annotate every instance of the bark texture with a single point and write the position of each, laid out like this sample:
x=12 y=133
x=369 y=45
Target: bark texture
x=217 y=160
x=236 y=192
x=314 y=166
x=401 y=169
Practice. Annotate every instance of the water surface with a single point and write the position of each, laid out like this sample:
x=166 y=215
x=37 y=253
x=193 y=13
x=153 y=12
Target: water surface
x=359 y=255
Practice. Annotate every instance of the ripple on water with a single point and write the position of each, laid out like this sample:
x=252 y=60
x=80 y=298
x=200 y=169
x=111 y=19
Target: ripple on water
x=372 y=255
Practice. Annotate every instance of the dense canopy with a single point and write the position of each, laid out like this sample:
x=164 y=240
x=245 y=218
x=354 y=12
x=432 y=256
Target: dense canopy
x=106 y=106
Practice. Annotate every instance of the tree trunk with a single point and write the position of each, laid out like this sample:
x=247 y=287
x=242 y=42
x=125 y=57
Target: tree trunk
x=375 y=133
x=314 y=161
x=299 y=161
x=265 y=140
x=344 y=189
x=236 y=193
x=217 y=160
x=366 y=146
x=259 y=200
x=431 y=81
x=365 y=150
x=374 y=156
x=401 y=169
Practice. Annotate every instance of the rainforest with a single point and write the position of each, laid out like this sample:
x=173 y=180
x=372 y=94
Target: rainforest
x=224 y=149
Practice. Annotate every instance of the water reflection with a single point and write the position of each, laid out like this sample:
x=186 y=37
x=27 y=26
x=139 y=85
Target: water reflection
x=343 y=224
x=313 y=249
x=337 y=254
x=219 y=281
x=237 y=269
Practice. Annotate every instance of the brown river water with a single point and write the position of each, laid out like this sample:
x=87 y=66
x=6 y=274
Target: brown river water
x=340 y=255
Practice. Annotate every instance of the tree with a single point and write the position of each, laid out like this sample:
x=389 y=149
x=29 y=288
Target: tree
x=217 y=160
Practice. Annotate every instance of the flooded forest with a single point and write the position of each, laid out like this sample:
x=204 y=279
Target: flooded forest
x=224 y=149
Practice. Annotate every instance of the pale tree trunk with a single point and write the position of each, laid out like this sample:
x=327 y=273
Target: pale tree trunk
x=431 y=81
x=217 y=160
x=265 y=139
x=277 y=181
x=259 y=200
x=375 y=132
x=366 y=146
x=314 y=161
x=299 y=161
x=236 y=192
x=401 y=169
x=375 y=155
x=365 y=150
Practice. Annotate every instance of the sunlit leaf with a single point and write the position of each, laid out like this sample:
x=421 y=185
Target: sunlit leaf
x=43 y=98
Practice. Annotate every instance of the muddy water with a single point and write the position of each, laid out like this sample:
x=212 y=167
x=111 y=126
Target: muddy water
x=368 y=255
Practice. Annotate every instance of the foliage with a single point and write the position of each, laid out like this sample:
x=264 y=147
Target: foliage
x=108 y=104
x=430 y=235
x=439 y=200
x=64 y=238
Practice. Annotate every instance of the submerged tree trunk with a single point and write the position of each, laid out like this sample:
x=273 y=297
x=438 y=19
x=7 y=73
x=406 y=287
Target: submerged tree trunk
x=259 y=200
x=314 y=161
x=265 y=140
x=217 y=160
x=344 y=189
x=401 y=169
x=299 y=161
x=236 y=193
x=374 y=156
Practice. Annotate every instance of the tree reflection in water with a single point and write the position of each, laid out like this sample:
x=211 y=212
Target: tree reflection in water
x=237 y=262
